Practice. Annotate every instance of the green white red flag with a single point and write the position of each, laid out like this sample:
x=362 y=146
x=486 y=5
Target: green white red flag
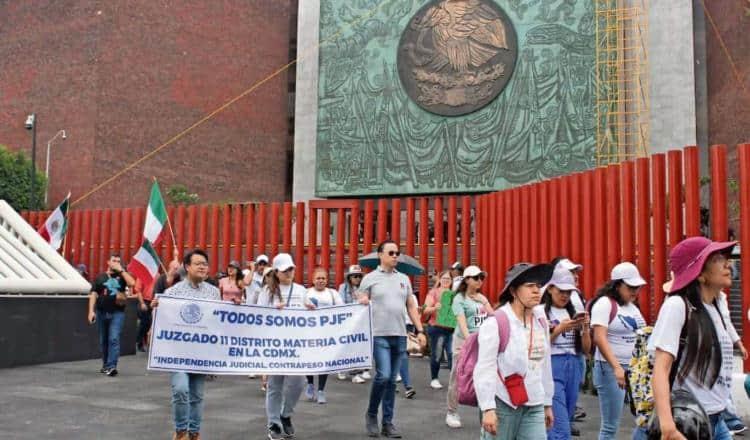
x=54 y=228
x=145 y=263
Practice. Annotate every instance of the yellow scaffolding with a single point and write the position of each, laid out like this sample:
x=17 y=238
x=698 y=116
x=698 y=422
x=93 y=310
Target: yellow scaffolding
x=622 y=94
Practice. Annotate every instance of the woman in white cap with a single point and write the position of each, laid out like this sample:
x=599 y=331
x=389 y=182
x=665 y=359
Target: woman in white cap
x=614 y=320
x=347 y=291
x=570 y=338
x=283 y=391
x=320 y=295
x=693 y=338
x=514 y=384
x=254 y=278
x=470 y=308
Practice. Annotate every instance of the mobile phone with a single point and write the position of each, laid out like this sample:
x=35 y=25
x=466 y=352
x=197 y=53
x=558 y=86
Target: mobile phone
x=579 y=315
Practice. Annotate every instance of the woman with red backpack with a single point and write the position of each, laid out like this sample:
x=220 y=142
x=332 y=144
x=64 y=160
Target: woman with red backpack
x=570 y=338
x=513 y=373
x=614 y=320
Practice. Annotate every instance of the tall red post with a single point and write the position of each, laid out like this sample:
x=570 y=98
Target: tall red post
x=226 y=238
x=325 y=239
x=85 y=253
x=587 y=248
x=299 y=247
x=675 y=196
x=128 y=215
x=116 y=232
x=237 y=234
x=192 y=227
x=465 y=230
x=424 y=245
x=643 y=232
x=382 y=219
x=743 y=155
x=179 y=226
x=692 y=192
x=410 y=231
x=368 y=226
x=203 y=227
x=312 y=240
x=214 y=252
x=354 y=234
x=439 y=225
x=262 y=224
x=543 y=222
x=719 y=221
x=627 y=186
x=286 y=233
x=275 y=218
x=340 y=243
x=396 y=221
x=612 y=203
x=453 y=228
x=564 y=218
x=73 y=244
x=249 y=232
x=576 y=228
x=658 y=192
x=492 y=243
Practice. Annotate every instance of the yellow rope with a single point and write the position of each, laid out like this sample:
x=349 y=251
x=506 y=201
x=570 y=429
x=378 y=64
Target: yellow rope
x=223 y=107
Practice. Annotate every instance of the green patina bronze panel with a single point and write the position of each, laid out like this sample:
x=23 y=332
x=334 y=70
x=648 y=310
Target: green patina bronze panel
x=375 y=138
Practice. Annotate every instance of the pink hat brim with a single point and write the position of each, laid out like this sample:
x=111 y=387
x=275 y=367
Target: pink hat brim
x=687 y=276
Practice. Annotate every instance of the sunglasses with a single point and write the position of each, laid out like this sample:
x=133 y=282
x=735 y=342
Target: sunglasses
x=479 y=277
x=394 y=253
x=288 y=270
x=355 y=276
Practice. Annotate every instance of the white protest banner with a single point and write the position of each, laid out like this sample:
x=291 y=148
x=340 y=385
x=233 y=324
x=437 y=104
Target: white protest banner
x=213 y=337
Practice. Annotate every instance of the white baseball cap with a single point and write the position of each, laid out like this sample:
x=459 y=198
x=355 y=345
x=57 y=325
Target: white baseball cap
x=262 y=257
x=473 y=271
x=562 y=279
x=568 y=265
x=283 y=262
x=628 y=273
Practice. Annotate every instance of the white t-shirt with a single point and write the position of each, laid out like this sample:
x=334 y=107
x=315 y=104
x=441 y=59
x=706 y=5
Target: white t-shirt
x=621 y=331
x=291 y=295
x=322 y=298
x=666 y=337
x=565 y=342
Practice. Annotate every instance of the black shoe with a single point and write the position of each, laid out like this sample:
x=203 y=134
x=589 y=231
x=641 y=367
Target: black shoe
x=112 y=372
x=371 y=423
x=274 y=432
x=410 y=393
x=574 y=431
x=579 y=414
x=103 y=370
x=390 y=431
x=286 y=422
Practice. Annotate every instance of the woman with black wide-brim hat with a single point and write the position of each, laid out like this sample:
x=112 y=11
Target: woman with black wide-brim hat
x=517 y=402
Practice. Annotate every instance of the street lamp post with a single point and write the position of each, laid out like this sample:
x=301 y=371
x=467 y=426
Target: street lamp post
x=46 y=167
x=31 y=125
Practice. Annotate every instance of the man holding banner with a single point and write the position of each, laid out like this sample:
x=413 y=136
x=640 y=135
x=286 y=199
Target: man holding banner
x=187 y=388
x=388 y=292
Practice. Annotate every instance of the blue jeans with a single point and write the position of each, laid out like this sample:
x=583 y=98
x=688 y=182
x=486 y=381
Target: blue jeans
x=566 y=372
x=611 y=399
x=110 y=327
x=187 y=401
x=522 y=423
x=404 y=371
x=387 y=353
x=721 y=431
x=441 y=340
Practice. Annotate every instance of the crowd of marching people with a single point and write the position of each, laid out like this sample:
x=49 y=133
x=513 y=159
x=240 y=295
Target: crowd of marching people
x=521 y=361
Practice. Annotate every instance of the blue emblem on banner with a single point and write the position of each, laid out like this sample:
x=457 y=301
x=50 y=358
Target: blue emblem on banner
x=191 y=313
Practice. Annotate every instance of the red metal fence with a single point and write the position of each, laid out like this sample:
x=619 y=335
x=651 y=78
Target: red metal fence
x=328 y=233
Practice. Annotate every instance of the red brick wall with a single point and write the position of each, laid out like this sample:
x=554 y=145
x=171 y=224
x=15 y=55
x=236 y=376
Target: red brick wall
x=122 y=77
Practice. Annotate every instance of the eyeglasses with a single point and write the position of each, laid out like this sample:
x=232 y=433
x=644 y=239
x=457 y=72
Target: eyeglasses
x=479 y=277
x=201 y=264
x=261 y=263
x=288 y=270
x=633 y=288
x=394 y=253
x=356 y=276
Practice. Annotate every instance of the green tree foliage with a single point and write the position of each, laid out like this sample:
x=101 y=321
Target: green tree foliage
x=179 y=194
x=15 y=181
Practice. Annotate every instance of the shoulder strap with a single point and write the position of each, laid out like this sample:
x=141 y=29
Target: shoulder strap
x=721 y=316
x=613 y=309
x=681 y=344
x=503 y=329
x=289 y=297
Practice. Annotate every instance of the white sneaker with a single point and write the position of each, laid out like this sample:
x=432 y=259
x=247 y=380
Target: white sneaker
x=342 y=376
x=453 y=420
x=398 y=378
x=358 y=379
x=366 y=375
x=435 y=384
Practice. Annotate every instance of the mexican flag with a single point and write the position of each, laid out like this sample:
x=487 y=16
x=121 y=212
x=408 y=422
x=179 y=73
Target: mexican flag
x=53 y=230
x=145 y=263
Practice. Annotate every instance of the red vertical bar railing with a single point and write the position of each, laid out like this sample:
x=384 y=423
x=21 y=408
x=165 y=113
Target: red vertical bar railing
x=465 y=230
x=136 y=234
x=554 y=209
x=179 y=226
x=382 y=219
x=192 y=227
x=286 y=233
x=127 y=227
x=674 y=163
x=524 y=219
x=116 y=230
x=325 y=238
x=743 y=155
x=424 y=240
x=214 y=244
x=274 y=221
x=613 y=204
x=354 y=234
x=564 y=217
x=491 y=244
x=312 y=240
x=85 y=244
x=340 y=243
x=599 y=221
x=480 y=237
x=692 y=192
x=643 y=231
x=74 y=240
x=249 y=231
x=96 y=231
x=507 y=235
x=299 y=247
x=410 y=223
x=262 y=222
x=170 y=241
x=719 y=221
x=453 y=228
x=226 y=235
x=396 y=221
x=369 y=218
x=237 y=234
x=106 y=235
x=658 y=194
x=439 y=228
x=202 y=238
x=587 y=246
x=576 y=229
x=499 y=250
x=627 y=186
x=515 y=226
x=545 y=217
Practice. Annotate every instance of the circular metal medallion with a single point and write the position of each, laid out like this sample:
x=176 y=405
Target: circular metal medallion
x=456 y=56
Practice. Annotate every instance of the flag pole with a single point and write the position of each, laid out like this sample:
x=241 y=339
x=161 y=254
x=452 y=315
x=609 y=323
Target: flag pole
x=169 y=224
